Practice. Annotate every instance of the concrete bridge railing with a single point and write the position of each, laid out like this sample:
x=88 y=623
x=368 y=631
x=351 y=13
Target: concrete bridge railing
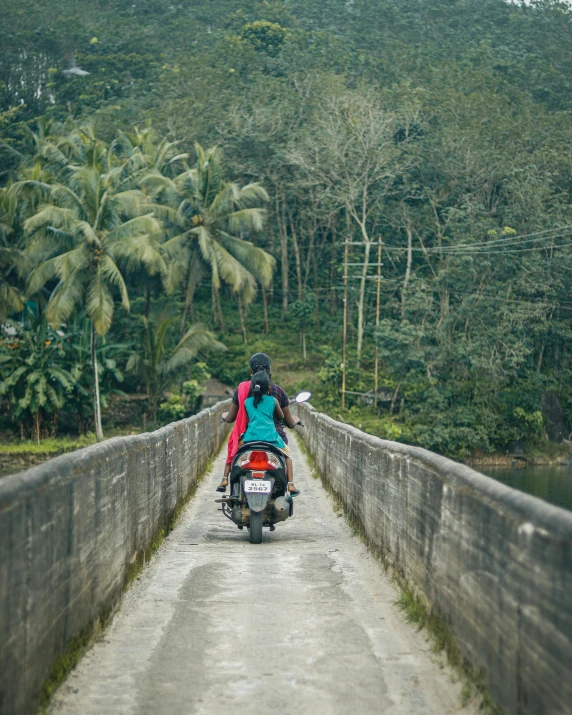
x=493 y=563
x=72 y=532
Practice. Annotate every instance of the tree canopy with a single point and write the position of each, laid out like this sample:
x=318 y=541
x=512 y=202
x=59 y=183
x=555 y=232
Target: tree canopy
x=263 y=152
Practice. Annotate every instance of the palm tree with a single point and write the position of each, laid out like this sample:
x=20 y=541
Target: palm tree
x=41 y=165
x=143 y=150
x=86 y=227
x=147 y=151
x=36 y=138
x=11 y=257
x=212 y=218
x=156 y=362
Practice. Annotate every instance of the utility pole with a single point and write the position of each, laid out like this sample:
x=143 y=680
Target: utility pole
x=344 y=339
x=377 y=306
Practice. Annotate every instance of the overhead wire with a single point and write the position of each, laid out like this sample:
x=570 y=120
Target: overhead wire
x=518 y=240
x=477 y=247
x=542 y=235
x=539 y=302
x=484 y=249
x=499 y=246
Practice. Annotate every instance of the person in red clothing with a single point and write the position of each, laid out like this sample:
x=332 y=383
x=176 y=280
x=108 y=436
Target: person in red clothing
x=237 y=414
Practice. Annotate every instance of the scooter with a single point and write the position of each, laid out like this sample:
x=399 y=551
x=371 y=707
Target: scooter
x=259 y=486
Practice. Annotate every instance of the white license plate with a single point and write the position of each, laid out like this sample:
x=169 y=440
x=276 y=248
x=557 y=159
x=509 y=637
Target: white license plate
x=257 y=486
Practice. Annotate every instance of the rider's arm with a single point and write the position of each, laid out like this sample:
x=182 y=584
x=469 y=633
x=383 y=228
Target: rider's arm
x=289 y=418
x=230 y=416
x=278 y=414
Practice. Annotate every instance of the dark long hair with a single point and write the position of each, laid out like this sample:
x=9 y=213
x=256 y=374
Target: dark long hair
x=260 y=385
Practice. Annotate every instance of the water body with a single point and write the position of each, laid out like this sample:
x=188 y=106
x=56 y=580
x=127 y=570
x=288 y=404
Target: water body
x=551 y=483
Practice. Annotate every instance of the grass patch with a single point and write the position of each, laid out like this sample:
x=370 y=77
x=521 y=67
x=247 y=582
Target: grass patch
x=51 y=445
x=18 y=456
x=415 y=612
x=337 y=502
x=443 y=641
x=71 y=656
x=314 y=473
x=143 y=557
x=551 y=451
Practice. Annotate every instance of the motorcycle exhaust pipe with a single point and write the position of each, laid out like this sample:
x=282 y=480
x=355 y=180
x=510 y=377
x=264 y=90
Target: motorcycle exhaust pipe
x=282 y=508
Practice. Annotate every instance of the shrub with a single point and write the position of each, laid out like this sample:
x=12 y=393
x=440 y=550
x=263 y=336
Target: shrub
x=173 y=409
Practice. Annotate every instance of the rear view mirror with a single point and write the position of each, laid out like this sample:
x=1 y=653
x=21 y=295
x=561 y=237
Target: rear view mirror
x=303 y=397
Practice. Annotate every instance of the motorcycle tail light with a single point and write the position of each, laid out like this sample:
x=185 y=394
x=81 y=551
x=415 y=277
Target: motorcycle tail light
x=273 y=459
x=244 y=459
x=257 y=459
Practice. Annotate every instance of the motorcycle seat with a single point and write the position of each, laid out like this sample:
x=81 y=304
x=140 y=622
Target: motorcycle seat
x=265 y=446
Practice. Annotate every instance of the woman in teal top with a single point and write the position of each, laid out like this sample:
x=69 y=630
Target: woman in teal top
x=262 y=409
x=261 y=420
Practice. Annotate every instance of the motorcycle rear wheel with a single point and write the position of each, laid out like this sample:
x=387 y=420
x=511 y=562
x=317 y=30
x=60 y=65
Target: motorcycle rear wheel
x=255 y=527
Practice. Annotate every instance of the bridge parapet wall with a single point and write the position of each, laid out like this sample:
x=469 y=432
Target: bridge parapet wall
x=493 y=563
x=72 y=529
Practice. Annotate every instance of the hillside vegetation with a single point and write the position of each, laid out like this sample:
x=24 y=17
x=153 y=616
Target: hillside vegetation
x=199 y=188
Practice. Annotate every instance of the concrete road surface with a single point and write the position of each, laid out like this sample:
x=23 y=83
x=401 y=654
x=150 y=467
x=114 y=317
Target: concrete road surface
x=303 y=623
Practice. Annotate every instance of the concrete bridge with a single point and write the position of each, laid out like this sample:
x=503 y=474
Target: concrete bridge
x=307 y=621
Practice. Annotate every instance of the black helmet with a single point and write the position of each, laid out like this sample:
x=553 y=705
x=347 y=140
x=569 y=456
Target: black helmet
x=259 y=361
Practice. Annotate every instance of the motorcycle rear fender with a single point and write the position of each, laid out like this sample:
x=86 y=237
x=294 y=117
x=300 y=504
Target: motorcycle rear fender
x=257 y=502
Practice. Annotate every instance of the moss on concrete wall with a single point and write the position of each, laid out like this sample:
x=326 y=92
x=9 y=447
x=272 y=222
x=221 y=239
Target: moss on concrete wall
x=492 y=566
x=73 y=531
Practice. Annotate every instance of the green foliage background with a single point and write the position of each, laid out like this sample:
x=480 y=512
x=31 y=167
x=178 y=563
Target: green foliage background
x=478 y=97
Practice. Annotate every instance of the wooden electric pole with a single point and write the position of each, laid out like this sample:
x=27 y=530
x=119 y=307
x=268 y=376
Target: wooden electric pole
x=377 y=307
x=345 y=329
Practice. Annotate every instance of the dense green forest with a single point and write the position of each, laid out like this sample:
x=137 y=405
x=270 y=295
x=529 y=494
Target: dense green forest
x=228 y=171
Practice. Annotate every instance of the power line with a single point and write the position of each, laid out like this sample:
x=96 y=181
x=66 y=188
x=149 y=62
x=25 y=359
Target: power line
x=523 y=238
x=523 y=250
x=541 y=236
x=538 y=302
x=483 y=250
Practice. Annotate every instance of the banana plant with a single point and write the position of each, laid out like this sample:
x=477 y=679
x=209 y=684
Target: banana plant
x=32 y=377
x=159 y=357
x=110 y=356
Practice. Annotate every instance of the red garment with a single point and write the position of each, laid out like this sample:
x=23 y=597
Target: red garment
x=241 y=422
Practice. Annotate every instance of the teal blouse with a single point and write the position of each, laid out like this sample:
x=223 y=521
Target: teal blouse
x=261 y=421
